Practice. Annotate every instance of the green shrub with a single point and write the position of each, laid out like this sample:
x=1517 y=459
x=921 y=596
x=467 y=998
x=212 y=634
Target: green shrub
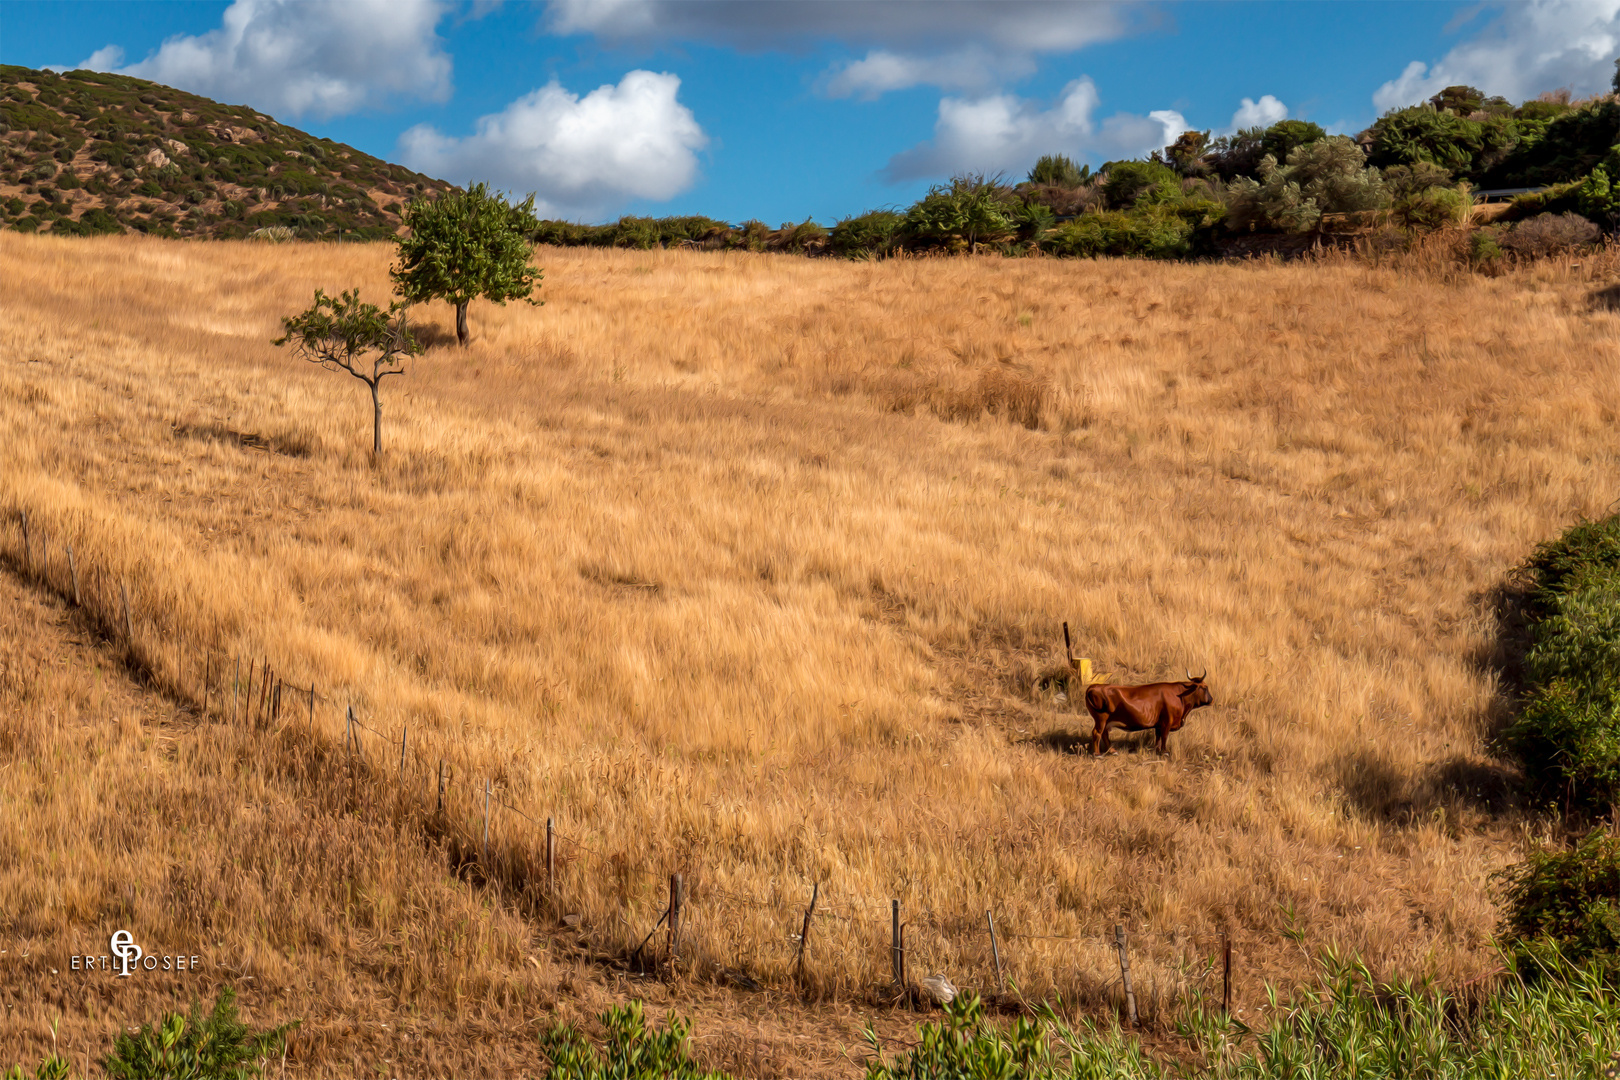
x=1565 y=903
x=966 y=1046
x=52 y=1068
x=1568 y=733
x=1128 y=181
x=215 y=1046
x=632 y=1051
x=94 y=222
x=1433 y=208
x=803 y=238
x=1483 y=248
x=970 y=211
x=1154 y=233
x=1058 y=169
x=1286 y=136
x=873 y=233
x=68 y=180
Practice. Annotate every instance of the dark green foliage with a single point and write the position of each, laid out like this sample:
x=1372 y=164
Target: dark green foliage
x=52 y=1068
x=1128 y=181
x=632 y=1050
x=1461 y=100
x=1563 y=148
x=464 y=245
x=1568 y=733
x=1566 y=901
x=1404 y=180
x=1158 y=233
x=211 y=1046
x=1586 y=555
x=871 y=235
x=1186 y=154
x=970 y=211
x=1060 y=170
x=93 y=222
x=1420 y=134
x=1541 y=110
x=1283 y=137
x=1431 y=208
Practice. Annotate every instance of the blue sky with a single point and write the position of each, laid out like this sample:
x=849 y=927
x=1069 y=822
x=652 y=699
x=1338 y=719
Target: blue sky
x=787 y=109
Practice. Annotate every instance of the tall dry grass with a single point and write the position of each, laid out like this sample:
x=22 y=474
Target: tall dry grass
x=753 y=568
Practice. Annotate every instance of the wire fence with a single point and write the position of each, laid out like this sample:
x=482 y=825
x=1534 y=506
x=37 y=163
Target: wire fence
x=247 y=691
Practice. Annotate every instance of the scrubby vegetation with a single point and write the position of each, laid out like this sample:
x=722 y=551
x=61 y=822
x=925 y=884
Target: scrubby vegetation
x=1416 y=170
x=86 y=153
x=212 y=1045
x=1352 y=1026
x=1569 y=733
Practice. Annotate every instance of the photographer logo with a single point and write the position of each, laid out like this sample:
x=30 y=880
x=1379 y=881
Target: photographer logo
x=125 y=958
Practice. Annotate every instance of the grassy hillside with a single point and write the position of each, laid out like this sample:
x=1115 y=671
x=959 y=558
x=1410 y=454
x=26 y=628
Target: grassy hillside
x=754 y=569
x=88 y=152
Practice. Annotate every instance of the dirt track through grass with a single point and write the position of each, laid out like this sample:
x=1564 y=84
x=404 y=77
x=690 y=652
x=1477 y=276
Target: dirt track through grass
x=753 y=568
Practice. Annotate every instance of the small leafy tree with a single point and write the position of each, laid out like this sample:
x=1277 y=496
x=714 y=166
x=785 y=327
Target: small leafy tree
x=342 y=333
x=467 y=244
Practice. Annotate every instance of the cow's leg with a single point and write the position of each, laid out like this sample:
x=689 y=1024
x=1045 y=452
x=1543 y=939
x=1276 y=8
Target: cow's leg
x=1162 y=737
x=1107 y=743
x=1099 y=732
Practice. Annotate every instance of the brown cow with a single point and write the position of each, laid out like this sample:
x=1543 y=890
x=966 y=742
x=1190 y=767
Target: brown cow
x=1160 y=706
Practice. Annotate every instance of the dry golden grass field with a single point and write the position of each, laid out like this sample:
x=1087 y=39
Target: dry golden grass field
x=754 y=568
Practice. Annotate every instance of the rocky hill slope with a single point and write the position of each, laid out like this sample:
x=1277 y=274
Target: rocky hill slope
x=86 y=152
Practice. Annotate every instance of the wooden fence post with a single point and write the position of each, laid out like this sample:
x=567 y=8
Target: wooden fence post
x=1226 y=974
x=675 y=898
x=441 y=786
x=348 y=730
x=28 y=548
x=896 y=948
x=236 y=688
x=804 y=934
x=484 y=858
x=551 y=861
x=208 y=671
x=404 y=734
x=995 y=951
x=73 y=572
x=129 y=629
x=1125 y=971
x=312 y=705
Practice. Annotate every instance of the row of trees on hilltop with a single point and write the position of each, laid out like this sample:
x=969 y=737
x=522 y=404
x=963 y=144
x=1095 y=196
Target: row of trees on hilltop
x=1418 y=168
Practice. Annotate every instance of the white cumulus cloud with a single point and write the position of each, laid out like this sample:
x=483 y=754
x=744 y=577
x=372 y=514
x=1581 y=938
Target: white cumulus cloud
x=1263 y=113
x=1530 y=47
x=881 y=71
x=1006 y=133
x=295 y=58
x=581 y=156
x=952 y=44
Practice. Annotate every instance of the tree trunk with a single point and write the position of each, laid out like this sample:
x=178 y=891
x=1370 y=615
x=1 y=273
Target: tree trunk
x=376 y=421
x=461 y=324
